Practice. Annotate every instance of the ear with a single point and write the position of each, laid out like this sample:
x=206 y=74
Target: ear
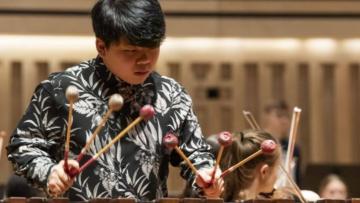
x=100 y=47
x=264 y=171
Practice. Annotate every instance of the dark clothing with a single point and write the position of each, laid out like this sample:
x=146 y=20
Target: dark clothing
x=137 y=165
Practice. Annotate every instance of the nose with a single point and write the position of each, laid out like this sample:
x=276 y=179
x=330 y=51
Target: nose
x=144 y=58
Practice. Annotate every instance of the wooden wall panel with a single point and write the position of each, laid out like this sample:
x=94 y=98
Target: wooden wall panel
x=341 y=114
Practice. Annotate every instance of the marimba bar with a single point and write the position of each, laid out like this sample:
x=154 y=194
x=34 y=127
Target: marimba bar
x=163 y=200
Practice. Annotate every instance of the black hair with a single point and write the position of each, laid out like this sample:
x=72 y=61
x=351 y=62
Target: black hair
x=139 y=22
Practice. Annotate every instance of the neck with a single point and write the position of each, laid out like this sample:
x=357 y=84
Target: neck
x=252 y=191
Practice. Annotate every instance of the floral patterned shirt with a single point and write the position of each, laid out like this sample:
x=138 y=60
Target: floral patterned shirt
x=134 y=167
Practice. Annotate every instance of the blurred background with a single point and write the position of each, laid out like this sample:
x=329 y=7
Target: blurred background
x=231 y=55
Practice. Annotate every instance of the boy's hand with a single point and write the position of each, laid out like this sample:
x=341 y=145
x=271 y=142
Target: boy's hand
x=212 y=190
x=59 y=182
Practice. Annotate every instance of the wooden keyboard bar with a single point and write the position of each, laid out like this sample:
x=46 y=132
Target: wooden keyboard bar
x=123 y=200
x=169 y=200
x=16 y=200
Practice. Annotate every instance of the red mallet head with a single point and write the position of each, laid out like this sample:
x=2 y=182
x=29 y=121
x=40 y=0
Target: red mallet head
x=72 y=93
x=72 y=172
x=147 y=111
x=170 y=141
x=268 y=146
x=225 y=138
x=116 y=101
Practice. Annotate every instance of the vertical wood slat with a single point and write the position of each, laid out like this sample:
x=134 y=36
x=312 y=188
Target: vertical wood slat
x=265 y=88
x=67 y=64
x=316 y=100
x=303 y=101
x=341 y=115
x=354 y=76
x=174 y=70
x=42 y=70
x=239 y=96
x=225 y=71
x=226 y=118
x=16 y=92
x=6 y=118
x=329 y=124
x=278 y=84
x=251 y=88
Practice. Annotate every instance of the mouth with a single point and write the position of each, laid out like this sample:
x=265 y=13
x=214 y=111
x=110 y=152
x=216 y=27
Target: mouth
x=142 y=72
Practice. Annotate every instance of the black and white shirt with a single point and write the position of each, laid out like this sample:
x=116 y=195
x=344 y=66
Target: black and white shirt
x=137 y=165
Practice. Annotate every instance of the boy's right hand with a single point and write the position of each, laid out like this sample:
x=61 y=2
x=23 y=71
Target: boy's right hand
x=59 y=182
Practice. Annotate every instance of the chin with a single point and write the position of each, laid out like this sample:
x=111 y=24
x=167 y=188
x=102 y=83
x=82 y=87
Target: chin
x=136 y=82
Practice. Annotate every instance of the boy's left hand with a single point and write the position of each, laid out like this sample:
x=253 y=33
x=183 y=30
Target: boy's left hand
x=203 y=179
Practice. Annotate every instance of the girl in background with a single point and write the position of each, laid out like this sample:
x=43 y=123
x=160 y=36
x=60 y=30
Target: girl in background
x=256 y=178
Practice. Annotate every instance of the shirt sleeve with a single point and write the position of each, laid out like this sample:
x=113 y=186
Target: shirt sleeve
x=192 y=142
x=33 y=144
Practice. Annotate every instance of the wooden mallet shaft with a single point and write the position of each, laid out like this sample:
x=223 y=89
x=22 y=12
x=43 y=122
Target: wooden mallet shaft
x=224 y=139
x=188 y=162
x=242 y=162
x=115 y=103
x=113 y=141
x=94 y=134
x=146 y=113
x=292 y=138
x=292 y=182
x=251 y=120
x=267 y=147
x=72 y=95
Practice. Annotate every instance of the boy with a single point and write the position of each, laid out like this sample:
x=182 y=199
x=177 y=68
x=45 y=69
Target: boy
x=128 y=37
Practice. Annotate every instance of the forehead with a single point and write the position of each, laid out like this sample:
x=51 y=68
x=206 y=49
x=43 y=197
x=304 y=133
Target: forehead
x=279 y=112
x=122 y=43
x=336 y=184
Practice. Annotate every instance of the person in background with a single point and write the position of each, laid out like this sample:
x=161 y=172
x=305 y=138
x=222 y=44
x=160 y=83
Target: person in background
x=276 y=121
x=333 y=187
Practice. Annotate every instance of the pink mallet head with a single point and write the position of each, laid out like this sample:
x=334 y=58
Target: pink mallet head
x=170 y=141
x=225 y=138
x=147 y=112
x=268 y=146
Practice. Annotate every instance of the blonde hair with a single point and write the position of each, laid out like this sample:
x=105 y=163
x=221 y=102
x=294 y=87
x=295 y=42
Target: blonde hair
x=244 y=144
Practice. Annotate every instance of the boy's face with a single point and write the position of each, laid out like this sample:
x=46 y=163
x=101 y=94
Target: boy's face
x=133 y=64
